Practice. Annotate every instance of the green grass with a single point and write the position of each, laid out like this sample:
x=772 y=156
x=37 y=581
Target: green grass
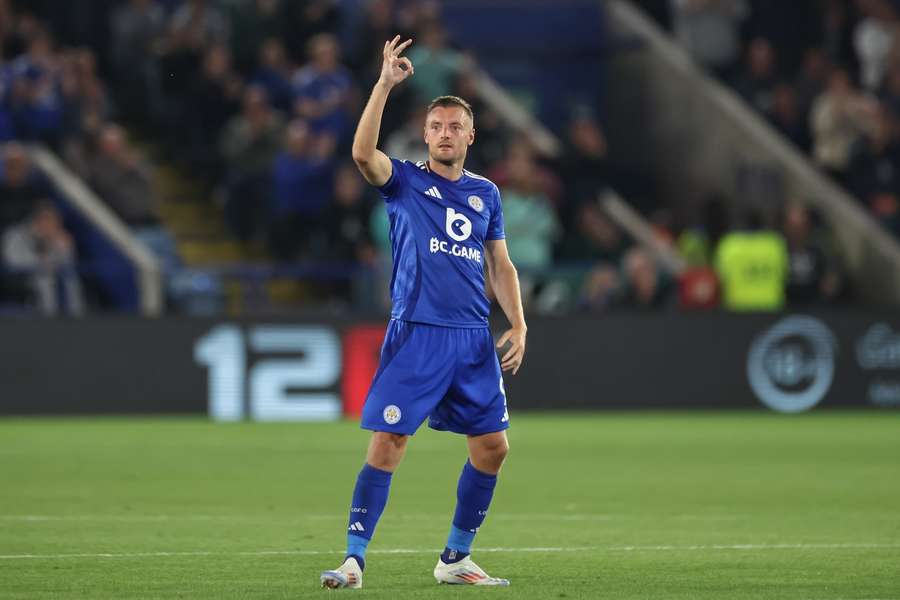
x=713 y=505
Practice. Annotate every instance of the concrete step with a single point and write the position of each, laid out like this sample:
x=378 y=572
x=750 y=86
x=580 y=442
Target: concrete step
x=217 y=252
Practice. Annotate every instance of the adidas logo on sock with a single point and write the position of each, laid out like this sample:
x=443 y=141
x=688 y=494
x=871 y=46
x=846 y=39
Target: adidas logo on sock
x=357 y=527
x=433 y=192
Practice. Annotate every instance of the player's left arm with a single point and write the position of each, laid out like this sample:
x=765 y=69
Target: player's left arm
x=505 y=282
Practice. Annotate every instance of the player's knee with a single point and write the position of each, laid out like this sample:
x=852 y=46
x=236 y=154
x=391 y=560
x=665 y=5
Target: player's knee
x=493 y=454
x=386 y=450
x=501 y=451
x=396 y=441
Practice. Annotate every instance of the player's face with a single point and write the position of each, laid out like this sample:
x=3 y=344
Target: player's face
x=448 y=133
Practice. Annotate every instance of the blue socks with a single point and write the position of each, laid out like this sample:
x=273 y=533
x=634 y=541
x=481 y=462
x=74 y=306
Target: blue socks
x=473 y=497
x=369 y=499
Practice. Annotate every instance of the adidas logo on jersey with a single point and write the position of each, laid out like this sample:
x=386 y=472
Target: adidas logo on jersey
x=433 y=192
x=356 y=527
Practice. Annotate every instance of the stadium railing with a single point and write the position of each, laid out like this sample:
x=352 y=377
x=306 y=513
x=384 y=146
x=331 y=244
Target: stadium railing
x=131 y=272
x=641 y=231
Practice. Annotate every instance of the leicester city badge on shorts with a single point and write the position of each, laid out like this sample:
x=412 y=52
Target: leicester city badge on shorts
x=392 y=414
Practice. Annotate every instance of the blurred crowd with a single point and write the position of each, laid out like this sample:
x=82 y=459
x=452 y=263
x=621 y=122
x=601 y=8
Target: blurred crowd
x=825 y=73
x=258 y=100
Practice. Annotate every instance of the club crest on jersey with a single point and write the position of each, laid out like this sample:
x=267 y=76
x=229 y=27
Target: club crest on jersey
x=392 y=414
x=476 y=203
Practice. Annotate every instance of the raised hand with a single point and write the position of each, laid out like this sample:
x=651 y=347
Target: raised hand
x=395 y=68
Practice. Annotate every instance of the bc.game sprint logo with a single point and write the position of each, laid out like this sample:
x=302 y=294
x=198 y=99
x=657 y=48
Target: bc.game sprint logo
x=458 y=227
x=458 y=220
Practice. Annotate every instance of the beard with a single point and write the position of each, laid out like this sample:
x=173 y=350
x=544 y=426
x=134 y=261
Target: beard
x=446 y=160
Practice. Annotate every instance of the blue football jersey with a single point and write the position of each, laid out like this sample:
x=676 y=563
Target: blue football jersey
x=438 y=230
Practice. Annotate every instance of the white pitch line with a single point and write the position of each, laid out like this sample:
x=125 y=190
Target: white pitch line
x=343 y=517
x=538 y=549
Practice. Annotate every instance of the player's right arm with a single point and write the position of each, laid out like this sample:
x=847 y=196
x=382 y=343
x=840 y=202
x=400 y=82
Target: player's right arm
x=374 y=164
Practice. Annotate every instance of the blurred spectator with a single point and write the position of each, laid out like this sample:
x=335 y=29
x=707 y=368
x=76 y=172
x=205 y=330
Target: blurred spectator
x=594 y=237
x=812 y=79
x=252 y=22
x=787 y=118
x=492 y=137
x=84 y=95
x=137 y=26
x=249 y=144
x=710 y=31
x=274 y=74
x=788 y=26
x=839 y=116
x=7 y=22
x=346 y=220
x=600 y=289
x=323 y=88
x=520 y=151
x=812 y=278
x=307 y=19
x=20 y=186
x=756 y=84
x=874 y=38
x=875 y=162
x=436 y=65
x=885 y=207
x=19 y=28
x=7 y=132
x=408 y=142
x=698 y=242
x=752 y=265
x=34 y=104
x=214 y=98
x=376 y=26
x=532 y=226
x=302 y=185
x=195 y=25
x=346 y=226
x=645 y=286
x=124 y=181
x=890 y=95
x=122 y=178
x=698 y=288
x=874 y=174
x=584 y=166
x=44 y=250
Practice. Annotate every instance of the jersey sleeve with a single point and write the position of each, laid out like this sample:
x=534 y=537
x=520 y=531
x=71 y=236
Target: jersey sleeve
x=391 y=189
x=495 y=229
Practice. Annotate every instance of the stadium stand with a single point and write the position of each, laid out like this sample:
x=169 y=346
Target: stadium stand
x=831 y=89
x=247 y=109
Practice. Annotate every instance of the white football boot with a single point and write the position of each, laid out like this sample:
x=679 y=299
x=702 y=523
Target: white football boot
x=464 y=572
x=348 y=575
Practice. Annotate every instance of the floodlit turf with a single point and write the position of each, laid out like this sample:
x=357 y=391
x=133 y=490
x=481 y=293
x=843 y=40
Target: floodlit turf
x=638 y=505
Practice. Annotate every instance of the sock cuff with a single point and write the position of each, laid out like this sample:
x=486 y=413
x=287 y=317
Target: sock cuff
x=460 y=539
x=484 y=480
x=374 y=476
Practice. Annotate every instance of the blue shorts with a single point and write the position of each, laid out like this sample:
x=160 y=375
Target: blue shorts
x=449 y=375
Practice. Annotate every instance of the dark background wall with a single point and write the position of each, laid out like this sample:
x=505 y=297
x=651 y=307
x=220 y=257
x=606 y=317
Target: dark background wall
x=789 y=363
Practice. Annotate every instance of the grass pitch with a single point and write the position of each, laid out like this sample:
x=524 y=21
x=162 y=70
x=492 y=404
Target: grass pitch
x=623 y=505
